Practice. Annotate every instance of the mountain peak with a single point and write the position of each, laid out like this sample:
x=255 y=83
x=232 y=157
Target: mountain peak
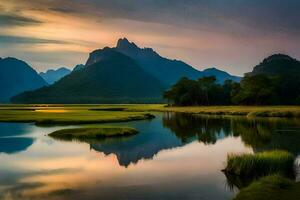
x=101 y=54
x=123 y=43
x=211 y=69
x=275 y=57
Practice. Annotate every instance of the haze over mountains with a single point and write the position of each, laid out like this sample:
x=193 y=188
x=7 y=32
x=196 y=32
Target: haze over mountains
x=166 y=70
x=122 y=74
x=16 y=76
x=115 y=78
x=51 y=75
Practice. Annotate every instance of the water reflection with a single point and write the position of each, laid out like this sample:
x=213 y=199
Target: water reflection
x=179 y=129
x=13 y=129
x=175 y=156
x=152 y=138
x=14 y=145
x=258 y=133
x=12 y=140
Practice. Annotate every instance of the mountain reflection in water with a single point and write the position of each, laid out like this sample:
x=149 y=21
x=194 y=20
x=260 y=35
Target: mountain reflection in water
x=174 y=156
x=257 y=133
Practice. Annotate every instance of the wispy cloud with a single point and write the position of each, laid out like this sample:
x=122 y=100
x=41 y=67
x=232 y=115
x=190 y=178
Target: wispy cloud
x=9 y=19
x=214 y=15
x=28 y=40
x=203 y=33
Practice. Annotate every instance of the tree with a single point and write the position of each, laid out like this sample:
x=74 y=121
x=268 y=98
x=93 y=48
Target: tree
x=204 y=91
x=257 y=90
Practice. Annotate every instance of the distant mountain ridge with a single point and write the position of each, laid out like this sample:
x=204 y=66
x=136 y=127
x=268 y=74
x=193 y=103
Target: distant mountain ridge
x=115 y=78
x=122 y=74
x=16 y=76
x=52 y=75
x=166 y=70
x=220 y=75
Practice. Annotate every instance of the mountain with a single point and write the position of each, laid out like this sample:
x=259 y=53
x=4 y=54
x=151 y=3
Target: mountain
x=51 y=75
x=16 y=76
x=278 y=64
x=221 y=75
x=278 y=76
x=123 y=74
x=166 y=70
x=78 y=67
x=113 y=78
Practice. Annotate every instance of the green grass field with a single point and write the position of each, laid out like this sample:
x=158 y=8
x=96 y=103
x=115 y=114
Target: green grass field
x=249 y=111
x=68 y=114
x=43 y=114
x=92 y=133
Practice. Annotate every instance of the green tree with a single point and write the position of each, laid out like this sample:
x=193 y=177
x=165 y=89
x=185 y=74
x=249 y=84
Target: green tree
x=257 y=90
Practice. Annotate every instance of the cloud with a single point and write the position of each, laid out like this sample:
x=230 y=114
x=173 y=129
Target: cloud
x=230 y=16
x=8 y=19
x=28 y=40
x=65 y=10
x=205 y=33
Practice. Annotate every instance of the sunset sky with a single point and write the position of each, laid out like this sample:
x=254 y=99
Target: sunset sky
x=232 y=35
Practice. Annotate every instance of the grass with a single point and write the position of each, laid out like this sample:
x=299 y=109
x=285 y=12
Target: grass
x=67 y=114
x=115 y=112
x=249 y=111
x=273 y=187
x=261 y=164
x=92 y=133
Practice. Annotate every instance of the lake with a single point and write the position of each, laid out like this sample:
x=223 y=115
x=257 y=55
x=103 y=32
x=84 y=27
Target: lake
x=175 y=156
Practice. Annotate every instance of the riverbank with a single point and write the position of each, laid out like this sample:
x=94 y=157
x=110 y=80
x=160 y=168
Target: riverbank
x=72 y=114
x=249 y=111
x=45 y=115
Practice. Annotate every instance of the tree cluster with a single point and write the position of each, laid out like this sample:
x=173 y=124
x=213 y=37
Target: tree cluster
x=204 y=91
x=258 y=89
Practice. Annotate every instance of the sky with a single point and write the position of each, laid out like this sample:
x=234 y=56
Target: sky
x=232 y=35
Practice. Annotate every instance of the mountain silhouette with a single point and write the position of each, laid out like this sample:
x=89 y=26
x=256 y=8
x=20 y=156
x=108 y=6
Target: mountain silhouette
x=16 y=76
x=52 y=75
x=112 y=78
x=166 y=70
x=278 y=64
x=284 y=72
x=78 y=67
x=220 y=75
x=122 y=74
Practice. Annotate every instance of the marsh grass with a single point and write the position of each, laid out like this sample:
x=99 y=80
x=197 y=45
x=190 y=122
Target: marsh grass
x=249 y=111
x=273 y=187
x=48 y=115
x=102 y=113
x=261 y=164
x=88 y=134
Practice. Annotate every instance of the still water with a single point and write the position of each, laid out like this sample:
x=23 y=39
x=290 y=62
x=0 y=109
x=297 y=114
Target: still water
x=175 y=156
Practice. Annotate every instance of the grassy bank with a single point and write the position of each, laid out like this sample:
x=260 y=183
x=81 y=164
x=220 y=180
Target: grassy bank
x=67 y=115
x=12 y=111
x=249 y=111
x=92 y=133
x=261 y=164
x=273 y=187
x=91 y=114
